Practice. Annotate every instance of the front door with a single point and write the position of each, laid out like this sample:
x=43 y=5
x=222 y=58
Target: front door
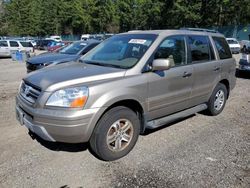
x=169 y=91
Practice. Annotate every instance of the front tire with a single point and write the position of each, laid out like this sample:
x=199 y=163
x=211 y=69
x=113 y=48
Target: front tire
x=115 y=134
x=217 y=100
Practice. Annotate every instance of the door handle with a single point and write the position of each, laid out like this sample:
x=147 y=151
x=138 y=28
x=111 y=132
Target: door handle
x=187 y=74
x=216 y=68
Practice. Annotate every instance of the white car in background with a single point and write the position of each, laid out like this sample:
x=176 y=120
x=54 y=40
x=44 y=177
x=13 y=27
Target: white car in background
x=234 y=45
x=55 y=38
x=7 y=46
x=85 y=37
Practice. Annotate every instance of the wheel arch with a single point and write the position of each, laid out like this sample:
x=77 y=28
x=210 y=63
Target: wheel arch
x=226 y=83
x=132 y=104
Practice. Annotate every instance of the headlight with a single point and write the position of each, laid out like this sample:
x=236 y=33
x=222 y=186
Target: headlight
x=71 y=97
x=19 y=87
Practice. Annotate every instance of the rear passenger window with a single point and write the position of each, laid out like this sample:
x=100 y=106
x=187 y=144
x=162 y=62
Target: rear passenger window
x=173 y=48
x=26 y=44
x=3 y=44
x=222 y=48
x=14 y=44
x=199 y=48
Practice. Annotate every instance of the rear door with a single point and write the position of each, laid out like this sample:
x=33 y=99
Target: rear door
x=4 y=48
x=206 y=68
x=14 y=45
x=27 y=46
x=169 y=91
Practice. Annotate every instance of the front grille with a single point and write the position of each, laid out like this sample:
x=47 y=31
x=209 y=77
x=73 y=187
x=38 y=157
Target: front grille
x=29 y=93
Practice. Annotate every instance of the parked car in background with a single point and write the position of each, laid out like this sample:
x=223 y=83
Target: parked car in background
x=244 y=64
x=86 y=37
x=55 y=38
x=7 y=46
x=128 y=83
x=42 y=44
x=56 y=45
x=245 y=45
x=68 y=53
x=100 y=37
x=234 y=45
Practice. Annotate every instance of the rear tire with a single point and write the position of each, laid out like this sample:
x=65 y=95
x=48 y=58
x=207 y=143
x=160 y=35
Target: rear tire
x=115 y=134
x=217 y=100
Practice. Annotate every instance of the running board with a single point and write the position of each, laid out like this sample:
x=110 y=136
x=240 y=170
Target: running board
x=168 y=119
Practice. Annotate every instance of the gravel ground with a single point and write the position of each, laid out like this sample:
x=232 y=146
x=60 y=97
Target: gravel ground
x=199 y=151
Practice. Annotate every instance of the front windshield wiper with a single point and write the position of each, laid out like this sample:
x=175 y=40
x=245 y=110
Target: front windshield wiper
x=104 y=64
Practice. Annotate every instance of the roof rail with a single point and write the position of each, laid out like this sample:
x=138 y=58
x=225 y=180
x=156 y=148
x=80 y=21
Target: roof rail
x=200 y=29
x=133 y=31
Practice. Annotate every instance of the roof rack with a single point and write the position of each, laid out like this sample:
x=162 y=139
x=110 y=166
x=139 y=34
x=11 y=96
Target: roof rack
x=200 y=29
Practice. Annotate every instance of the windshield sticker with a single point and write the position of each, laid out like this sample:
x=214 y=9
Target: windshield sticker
x=137 y=41
x=83 y=44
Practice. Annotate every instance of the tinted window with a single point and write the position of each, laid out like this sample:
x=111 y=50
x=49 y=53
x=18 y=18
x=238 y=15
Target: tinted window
x=26 y=44
x=222 y=48
x=88 y=48
x=14 y=44
x=172 y=48
x=3 y=44
x=232 y=41
x=199 y=48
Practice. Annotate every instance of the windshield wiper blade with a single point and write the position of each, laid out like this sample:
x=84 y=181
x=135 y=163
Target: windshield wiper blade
x=104 y=64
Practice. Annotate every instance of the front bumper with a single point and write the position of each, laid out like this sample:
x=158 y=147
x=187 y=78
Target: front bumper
x=69 y=126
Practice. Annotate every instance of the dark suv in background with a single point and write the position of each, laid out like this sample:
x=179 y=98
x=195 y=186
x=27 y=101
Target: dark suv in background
x=68 y=53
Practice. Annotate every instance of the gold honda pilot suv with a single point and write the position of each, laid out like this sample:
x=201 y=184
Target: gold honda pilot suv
x=131 y=82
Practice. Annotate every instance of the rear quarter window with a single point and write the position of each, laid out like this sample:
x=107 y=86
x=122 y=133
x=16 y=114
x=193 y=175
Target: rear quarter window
x=14 y=44
x=26 y=44
x=222 y=47
x=199 y=48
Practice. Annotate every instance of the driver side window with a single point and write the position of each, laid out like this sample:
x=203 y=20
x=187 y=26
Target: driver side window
x=172 y=48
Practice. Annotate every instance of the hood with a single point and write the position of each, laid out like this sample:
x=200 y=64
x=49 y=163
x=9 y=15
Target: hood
x=72 y=73
x=51 y=57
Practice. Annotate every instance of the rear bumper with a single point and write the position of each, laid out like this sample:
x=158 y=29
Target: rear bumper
x=58 y=125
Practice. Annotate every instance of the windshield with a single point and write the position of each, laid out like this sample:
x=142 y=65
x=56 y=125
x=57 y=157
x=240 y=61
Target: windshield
x=232 y=42
x=121 y=51
x=73 y=48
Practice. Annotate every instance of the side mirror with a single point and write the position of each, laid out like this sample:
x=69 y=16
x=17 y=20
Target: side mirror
x=161 y=64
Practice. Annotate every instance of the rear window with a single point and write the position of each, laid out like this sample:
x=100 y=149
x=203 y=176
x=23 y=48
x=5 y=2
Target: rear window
x=232 y=41
x=222 y=47
x=3 y=44
x=26 y=44
x=14 y=44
